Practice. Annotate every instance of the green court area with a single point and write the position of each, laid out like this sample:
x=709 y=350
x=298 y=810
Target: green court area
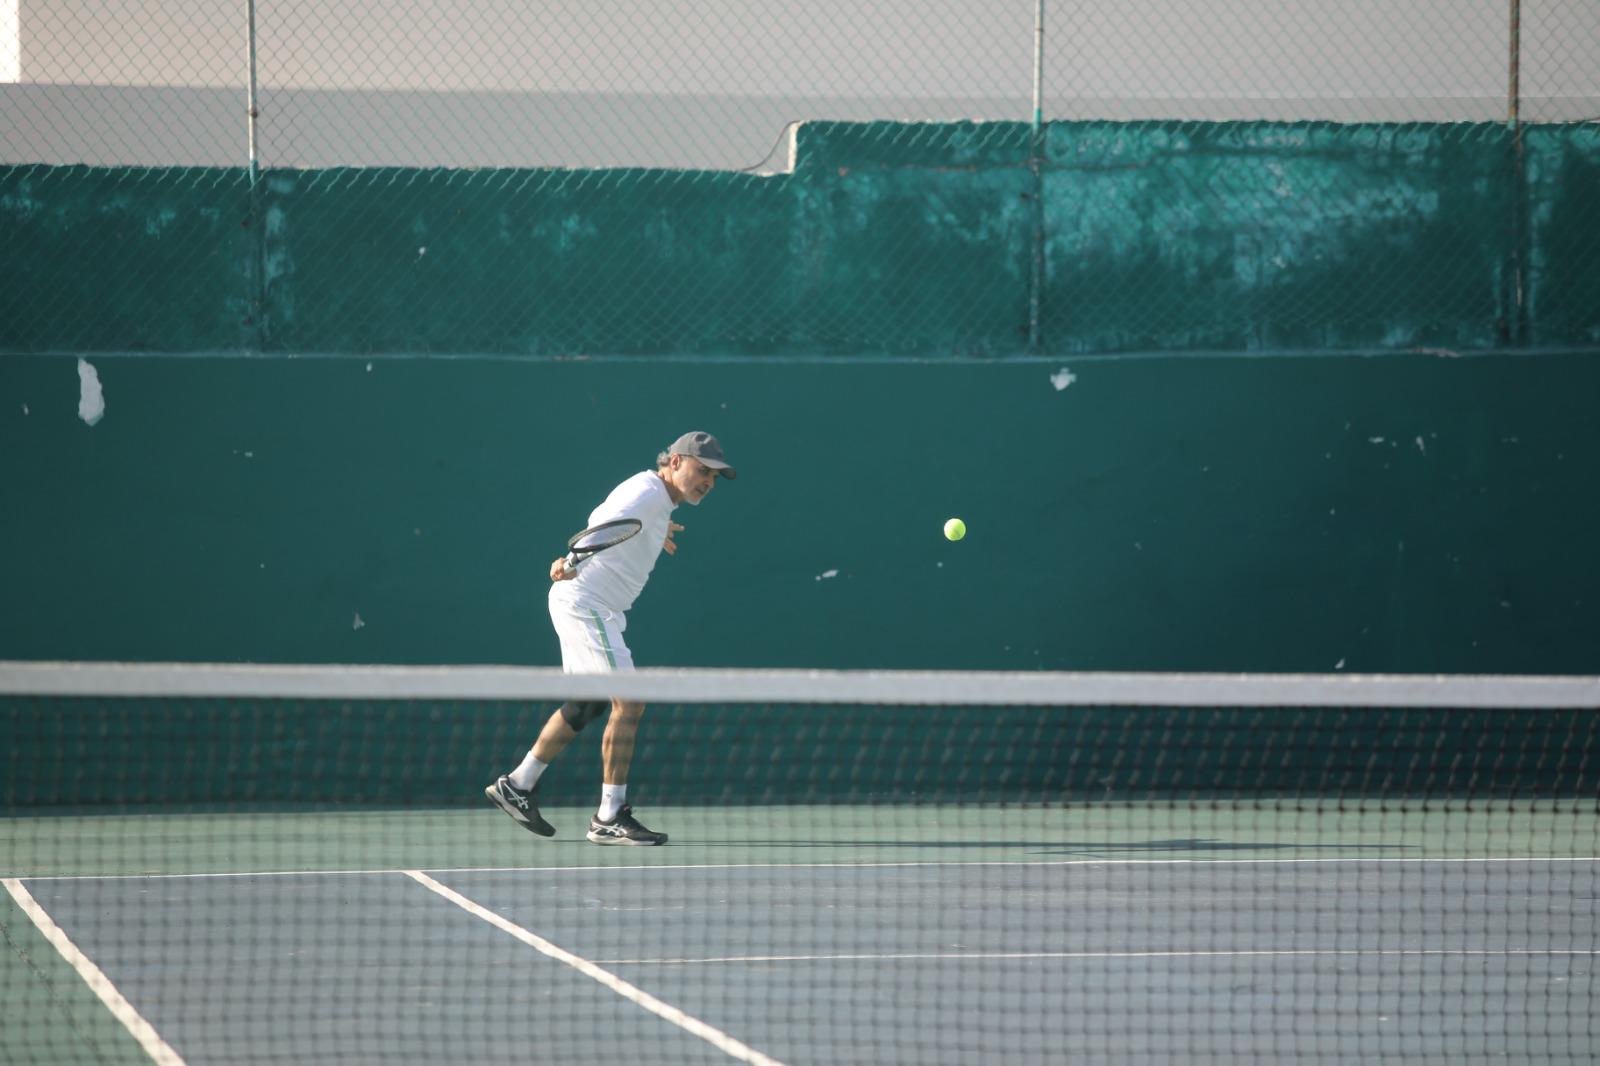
x=804 y=933
x=206 y=842
x=968 y=869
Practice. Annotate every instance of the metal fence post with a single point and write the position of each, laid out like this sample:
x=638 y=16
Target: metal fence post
x=1516 y=326
x=1036 y=165
x=257 y=282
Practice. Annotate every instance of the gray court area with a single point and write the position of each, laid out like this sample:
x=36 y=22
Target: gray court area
x=1186 y=950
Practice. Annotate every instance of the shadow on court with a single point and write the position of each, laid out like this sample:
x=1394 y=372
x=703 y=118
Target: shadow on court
x=1066 y=847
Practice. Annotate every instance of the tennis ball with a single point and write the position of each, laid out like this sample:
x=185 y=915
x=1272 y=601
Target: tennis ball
x=955 y=529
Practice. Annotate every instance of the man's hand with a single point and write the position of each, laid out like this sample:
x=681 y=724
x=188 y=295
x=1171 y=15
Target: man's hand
x=559 y=571
x=669 y=545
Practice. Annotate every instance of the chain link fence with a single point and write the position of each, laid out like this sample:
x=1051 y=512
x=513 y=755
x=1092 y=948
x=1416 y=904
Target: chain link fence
x=966 y=177
x=684 y=84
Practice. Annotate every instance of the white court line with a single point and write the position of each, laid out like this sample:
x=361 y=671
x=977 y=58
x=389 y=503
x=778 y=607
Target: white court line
x=98 y=982
x=694 y=1026
x=1012 y=955
x=376 y=871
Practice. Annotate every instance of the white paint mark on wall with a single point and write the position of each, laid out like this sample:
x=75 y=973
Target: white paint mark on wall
x=277 y=262
x=1062 y=378
x=158 y=224
x=826 y=574
x=91 y=397
x=358 y=623
x=1421 y=447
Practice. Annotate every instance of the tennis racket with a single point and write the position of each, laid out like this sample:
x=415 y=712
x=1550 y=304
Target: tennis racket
x=581 y=546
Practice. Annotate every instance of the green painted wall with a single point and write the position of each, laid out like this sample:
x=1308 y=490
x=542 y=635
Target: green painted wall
x=1411 y=513
x=1306 y=236
x=130 y=259
x=886 y=240
x=856 y=331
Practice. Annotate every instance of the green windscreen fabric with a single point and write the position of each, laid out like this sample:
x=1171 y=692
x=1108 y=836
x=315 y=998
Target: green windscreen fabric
x=936 y=240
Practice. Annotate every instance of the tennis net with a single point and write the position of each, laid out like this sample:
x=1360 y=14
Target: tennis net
x=210 y=863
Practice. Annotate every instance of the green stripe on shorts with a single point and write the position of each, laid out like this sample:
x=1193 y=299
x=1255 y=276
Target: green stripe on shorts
x=605 y=641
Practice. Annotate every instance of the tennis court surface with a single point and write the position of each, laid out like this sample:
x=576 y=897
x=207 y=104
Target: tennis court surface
x=297 y=865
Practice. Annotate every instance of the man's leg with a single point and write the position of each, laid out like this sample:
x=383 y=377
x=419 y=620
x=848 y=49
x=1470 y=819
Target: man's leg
x=616 y=755
x=514 y=792
x=616 y=747
x=553 y=738
x=614 y=823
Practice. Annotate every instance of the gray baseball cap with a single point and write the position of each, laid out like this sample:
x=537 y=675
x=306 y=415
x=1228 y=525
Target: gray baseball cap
x=704 y=447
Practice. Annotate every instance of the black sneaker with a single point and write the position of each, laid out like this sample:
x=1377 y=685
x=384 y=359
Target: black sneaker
x=519 y=805
x=623 y=829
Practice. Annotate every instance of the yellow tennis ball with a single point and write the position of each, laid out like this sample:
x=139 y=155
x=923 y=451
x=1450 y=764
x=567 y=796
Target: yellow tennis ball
x=955 y=529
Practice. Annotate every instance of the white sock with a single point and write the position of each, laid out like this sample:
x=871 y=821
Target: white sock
x=611 y=799
x=526 y=775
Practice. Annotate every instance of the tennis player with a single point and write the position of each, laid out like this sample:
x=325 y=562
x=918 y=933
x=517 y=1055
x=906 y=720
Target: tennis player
x=588 y=606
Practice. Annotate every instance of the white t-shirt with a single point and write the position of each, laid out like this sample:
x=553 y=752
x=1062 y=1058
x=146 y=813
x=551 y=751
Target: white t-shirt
x=613 y=579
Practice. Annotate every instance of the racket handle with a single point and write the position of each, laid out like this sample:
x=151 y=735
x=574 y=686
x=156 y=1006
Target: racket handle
x=569 y=565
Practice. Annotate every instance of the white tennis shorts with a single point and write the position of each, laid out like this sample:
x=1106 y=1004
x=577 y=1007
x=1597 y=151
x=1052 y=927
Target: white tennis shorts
x=591 y=638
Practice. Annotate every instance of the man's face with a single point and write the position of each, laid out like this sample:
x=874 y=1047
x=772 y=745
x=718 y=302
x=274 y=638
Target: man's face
x=692 y=479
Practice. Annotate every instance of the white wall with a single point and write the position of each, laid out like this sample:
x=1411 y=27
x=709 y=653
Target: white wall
x=10 y=40
x=712 y=83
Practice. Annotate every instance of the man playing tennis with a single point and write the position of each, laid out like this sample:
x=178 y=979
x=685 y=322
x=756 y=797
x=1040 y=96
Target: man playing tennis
x=588 y=607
